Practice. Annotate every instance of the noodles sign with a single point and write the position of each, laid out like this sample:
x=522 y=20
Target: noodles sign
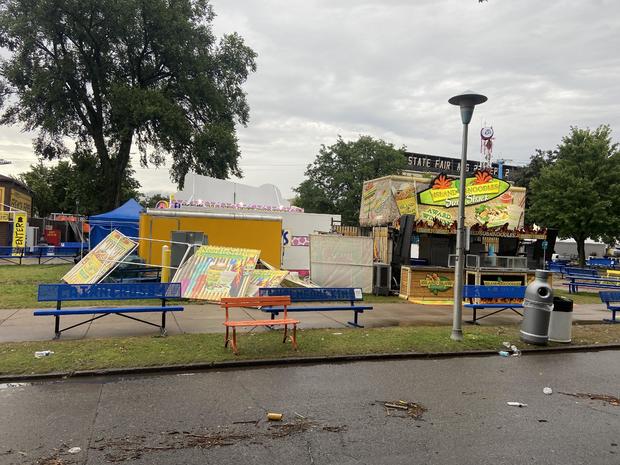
x=444 y=191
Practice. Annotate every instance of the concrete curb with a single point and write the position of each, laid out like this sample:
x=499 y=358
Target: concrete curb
x=278 y=362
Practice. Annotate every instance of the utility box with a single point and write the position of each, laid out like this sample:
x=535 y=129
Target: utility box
x=382 y=275
x=178 y=251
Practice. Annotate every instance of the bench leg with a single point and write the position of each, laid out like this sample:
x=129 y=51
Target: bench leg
x=355 y=322
x=233 y=343
x=612 y=319
x=285 y=332
x=294 y=337
x=56 y=326
x=226 y=338
x=162 y=329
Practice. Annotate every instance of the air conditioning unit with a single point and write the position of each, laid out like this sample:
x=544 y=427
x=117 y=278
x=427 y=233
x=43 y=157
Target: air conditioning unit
x=382 y=277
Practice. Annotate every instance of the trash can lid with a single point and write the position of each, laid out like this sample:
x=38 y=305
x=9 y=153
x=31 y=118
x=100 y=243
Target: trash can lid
x=562 y=304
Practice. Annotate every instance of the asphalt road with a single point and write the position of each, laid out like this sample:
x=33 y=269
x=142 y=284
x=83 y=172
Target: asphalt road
x=196 y=418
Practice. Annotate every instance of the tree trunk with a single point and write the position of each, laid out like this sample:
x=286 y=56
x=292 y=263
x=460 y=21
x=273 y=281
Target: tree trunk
x=581 y=251
x=114 y=169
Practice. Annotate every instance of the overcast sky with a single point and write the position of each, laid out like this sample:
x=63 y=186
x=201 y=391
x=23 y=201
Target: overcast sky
x=387 y=68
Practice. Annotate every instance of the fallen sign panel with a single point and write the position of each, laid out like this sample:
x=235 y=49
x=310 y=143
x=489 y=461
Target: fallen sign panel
x=101 y=260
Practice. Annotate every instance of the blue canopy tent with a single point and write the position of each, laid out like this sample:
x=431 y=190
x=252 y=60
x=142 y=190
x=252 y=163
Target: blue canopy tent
x=125 y=218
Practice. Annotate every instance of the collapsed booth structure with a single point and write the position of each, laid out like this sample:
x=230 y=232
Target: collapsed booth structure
x=418 y=217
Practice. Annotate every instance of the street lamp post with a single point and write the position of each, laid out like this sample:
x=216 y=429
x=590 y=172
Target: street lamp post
x=466 y=101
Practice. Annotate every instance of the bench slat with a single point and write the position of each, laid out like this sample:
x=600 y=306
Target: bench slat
x=325 y=308
x=108 y=291
x=280 y=321
x=507 y=305
x=315 y=294
x=99 y=310
x=493 y=292
x=254 y=301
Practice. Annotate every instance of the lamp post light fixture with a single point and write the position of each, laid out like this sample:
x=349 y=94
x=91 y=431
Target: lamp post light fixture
x=466 y=101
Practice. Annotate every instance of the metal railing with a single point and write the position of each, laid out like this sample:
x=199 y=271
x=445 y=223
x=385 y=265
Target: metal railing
x=494 y=262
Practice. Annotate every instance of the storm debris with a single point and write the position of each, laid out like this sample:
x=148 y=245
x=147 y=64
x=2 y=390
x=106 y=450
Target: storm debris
x=135 y=447
x=611 y=400
x=411 y=409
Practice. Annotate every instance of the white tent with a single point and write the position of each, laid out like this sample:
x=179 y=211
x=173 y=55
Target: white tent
x=204 y=188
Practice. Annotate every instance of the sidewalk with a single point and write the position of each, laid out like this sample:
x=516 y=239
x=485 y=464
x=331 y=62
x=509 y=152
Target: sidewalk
x=21 y=325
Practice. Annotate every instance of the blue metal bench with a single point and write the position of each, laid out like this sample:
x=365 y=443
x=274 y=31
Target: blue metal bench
x=556 y=267
x=603 y=262
x=495 y=293
x=575 y=282
x=47 y=253
x=13 y=255
x=572 y=271
x=318 y=294
x=612 y=300
x=88 y=292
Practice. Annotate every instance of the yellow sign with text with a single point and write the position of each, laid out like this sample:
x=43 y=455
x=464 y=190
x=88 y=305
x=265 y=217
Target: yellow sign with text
x=21 y=201
x=19 y=230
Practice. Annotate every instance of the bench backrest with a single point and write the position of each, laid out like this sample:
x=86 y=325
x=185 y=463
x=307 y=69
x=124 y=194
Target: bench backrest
x=258 y=301
x=50 y=250
x=116 y=291
x=315 y=294
x=8 y=251
x=609 y=296
x=493 y=292
x=581 y=272
x=559 y=267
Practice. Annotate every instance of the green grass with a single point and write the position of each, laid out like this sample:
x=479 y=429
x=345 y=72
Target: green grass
x=69 y=356
x=579 y=297
x=20 y=282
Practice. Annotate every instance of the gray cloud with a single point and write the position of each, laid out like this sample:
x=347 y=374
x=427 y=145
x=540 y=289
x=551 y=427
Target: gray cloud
x=387 y=68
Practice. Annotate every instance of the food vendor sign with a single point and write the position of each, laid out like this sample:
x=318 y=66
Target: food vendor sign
x=489 y=201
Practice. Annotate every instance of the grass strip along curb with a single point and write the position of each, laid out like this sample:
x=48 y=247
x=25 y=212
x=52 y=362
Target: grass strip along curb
x=199 y=351
x=279 y=362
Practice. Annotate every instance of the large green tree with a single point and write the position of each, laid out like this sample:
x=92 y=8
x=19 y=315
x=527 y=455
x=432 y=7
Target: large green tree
x=579 y=193
x=524 y=175
x=73 y=186
x=114 y=74
x=335 y=178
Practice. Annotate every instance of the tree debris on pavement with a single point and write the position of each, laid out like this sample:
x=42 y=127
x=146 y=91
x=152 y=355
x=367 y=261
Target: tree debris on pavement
x=604 y=397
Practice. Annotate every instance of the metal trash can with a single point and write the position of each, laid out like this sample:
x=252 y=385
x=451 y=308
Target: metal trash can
x=537 y=307
x=560 y=324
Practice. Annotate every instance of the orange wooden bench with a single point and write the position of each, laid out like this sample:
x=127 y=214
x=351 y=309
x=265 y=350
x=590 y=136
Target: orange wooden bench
x=240 y=302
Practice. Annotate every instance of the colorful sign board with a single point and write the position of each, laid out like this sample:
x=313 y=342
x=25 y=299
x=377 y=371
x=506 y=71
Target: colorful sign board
x=20 y=223
x=101 y=260
x=264 y=278
x=214 y=272
x=406 y=198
